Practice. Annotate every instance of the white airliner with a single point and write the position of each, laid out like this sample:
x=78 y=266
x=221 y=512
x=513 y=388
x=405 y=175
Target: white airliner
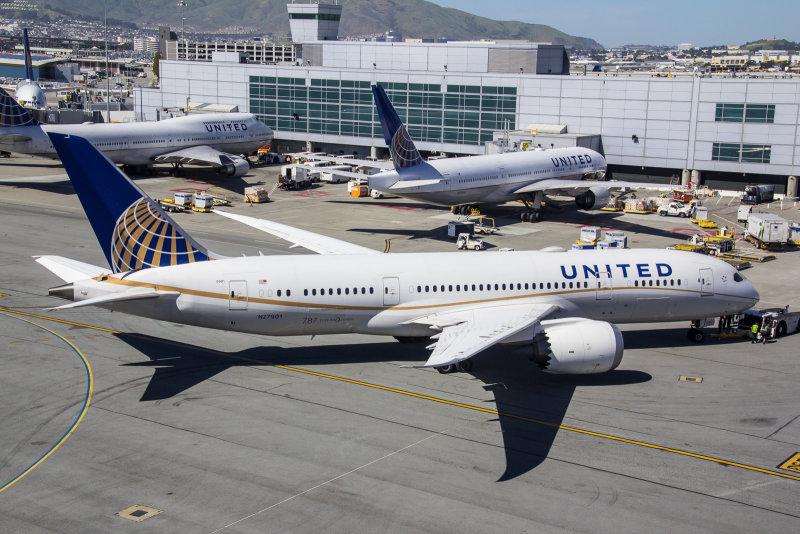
x=492 y=179
x=28 y=93
x=211 y=139
x=560 y=305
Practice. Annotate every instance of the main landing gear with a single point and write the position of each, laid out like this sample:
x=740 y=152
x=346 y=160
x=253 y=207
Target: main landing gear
x=460 y=367
x=533 y=208
x=695 y=334
x=466 y=209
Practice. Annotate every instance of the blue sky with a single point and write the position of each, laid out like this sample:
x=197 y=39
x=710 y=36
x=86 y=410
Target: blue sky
x=620 y=22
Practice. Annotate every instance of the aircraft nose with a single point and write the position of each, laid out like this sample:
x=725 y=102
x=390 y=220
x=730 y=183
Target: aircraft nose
x=754 y=295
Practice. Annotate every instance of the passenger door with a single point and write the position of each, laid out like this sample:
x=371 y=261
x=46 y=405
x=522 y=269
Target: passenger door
x=706 y=282
x=391 y=291
x=604 y=291
x=237 y=295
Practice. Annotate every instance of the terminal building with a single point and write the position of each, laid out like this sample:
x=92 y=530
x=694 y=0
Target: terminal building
x=455 y=97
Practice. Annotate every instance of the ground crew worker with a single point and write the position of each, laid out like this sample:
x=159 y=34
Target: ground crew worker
x=754 y=331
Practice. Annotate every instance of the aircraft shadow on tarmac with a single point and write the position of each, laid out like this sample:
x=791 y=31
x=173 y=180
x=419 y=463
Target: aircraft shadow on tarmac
x=531 y=405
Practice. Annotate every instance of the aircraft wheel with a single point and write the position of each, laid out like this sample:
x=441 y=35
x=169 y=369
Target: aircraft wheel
x=464 y=366
x=695 y=335
x=446 y=369
x=525 y=216
x=537 y=216
x=781 y=329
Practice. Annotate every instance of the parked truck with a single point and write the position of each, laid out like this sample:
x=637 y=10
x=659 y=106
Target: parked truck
x=675 y=209
x=766 y=230
x=758 y=193
x=784 y=321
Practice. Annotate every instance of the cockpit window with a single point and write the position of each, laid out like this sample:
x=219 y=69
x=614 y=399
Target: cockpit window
x=738 y=277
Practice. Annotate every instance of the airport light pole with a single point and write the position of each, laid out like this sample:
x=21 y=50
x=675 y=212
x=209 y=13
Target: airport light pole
x=182 y=5
x=108 y=80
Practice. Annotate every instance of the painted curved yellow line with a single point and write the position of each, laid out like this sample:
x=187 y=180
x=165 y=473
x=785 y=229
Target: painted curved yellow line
x=77 y=421
x=610 y=437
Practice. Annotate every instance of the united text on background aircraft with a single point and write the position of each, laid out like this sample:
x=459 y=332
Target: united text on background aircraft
x=559 y=306
x=213 y=139
x=490 y=179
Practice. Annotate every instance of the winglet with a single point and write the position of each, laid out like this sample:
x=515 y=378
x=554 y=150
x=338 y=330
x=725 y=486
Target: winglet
x=133 y=231
x=401 y=147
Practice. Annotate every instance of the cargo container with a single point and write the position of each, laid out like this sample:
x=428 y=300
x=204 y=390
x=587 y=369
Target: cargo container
x=766 y=230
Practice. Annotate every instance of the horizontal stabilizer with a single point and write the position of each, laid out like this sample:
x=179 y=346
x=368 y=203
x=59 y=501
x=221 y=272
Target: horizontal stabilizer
x=70 y=270
x=9 y=139
x=119 y=297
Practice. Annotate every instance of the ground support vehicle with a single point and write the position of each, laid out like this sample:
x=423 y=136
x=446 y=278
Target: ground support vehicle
x=466 y=241
x=758 y=193
x=456 y=228
x=255 y=194
x=766 y=230
x=675 y=209
x=486 y=226
x=781 y=319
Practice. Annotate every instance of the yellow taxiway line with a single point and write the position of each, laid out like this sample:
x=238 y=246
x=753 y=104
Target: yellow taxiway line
x=610 y=437
x=86 y=401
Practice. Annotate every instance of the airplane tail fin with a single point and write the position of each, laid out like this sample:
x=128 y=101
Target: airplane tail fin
x=28 y=60
x=401 y=147
x=134 y=232
x=12 y=114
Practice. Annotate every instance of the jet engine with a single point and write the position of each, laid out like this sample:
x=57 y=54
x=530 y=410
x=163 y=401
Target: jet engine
x=594 y=198
x=577 y=346
x=235 y=166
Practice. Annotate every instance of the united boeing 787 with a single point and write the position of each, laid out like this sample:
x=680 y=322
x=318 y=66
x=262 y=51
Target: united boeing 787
x=560 y=306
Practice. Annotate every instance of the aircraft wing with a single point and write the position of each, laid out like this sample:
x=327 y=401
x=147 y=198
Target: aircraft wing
x=573 y=187
x=197 y=155
x=467 y=332
x=383 y=165
x=407 y=184
x=301 y=238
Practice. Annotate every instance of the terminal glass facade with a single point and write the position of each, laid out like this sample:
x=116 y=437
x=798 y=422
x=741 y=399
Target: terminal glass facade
x=464 y=114
x=742 y=153
x=764 y=113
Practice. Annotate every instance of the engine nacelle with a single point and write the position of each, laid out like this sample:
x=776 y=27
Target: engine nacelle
x=594 y=198
x=236 y=167
x=577 y=346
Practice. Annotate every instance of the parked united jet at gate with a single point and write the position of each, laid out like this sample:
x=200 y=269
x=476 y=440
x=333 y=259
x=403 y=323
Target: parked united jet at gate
x=28 y=93
x=491 y=179
x=208 y=139
x=555 y=304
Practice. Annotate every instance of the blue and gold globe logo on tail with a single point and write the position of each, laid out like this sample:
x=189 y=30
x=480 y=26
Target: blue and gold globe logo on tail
x=143 y=237
x=403 y=151
x=12 y=114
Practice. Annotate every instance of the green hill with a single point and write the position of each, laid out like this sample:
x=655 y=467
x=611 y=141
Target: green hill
x=771 y=44
x=412 y=18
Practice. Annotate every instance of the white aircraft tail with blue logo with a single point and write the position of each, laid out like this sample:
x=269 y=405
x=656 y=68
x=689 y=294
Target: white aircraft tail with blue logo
x=401 y=147
x=133 y=231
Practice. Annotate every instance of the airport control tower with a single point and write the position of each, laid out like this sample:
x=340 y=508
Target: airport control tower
x=314 y=21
